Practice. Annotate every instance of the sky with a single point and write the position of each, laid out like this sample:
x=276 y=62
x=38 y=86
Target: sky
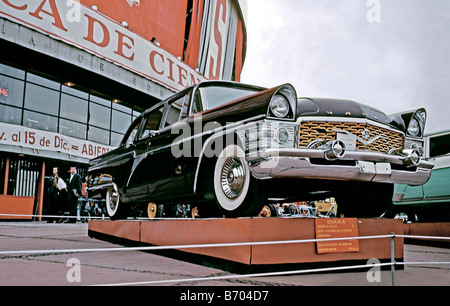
x=390 y=54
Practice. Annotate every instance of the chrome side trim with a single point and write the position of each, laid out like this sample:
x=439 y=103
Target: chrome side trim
x=114 y=162
x=100 y=187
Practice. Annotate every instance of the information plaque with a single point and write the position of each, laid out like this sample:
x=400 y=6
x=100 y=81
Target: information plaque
x=336 y=228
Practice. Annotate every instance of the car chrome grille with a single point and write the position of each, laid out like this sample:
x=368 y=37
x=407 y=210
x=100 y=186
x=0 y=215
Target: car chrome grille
x=313 y=130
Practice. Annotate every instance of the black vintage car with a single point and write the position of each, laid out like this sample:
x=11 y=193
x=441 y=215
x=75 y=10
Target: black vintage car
x=227 y=148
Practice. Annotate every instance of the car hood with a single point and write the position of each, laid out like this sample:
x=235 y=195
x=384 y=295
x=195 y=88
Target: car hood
x=343 y=108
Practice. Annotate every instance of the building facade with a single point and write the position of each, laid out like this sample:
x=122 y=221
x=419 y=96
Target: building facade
x=75 y=73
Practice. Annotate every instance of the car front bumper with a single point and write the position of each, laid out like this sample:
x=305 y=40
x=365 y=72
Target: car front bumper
x=362 y=166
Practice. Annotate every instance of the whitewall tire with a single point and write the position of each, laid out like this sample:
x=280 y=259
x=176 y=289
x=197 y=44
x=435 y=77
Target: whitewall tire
x=236 y=193
x=114 y=207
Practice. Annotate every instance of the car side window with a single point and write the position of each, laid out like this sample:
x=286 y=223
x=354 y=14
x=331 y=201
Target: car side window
x=130 y=136
x=440 y=145
x=151 y=122
x=185 y=108
x=177 y=110
x=197 y=106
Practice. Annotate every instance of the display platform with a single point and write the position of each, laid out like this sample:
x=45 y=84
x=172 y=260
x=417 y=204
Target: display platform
x=17 y=207
x=429 y=229
x=212 y=231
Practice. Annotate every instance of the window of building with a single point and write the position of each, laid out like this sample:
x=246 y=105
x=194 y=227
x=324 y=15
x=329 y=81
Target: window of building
x=74 y=108
x=40 y=121
x=11 y=91
x=119 y=106
x=120 y=121
x=43 y=81
x=42 y=99
x=95 y=97
x=12 y=72
x=72 y=129
x=45 y=103
x=99 y=116
x=10 y=114
x=75 y=92
x=116 y=138
x=98 y=135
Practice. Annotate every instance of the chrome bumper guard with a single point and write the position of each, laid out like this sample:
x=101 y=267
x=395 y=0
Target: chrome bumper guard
x=367 y=166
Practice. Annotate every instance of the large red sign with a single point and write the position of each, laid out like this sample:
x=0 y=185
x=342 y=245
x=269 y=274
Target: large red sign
x=162 y=20
x=90 y=30
x=147 y=37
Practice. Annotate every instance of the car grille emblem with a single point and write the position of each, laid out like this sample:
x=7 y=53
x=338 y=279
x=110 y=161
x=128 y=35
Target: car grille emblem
x=365 y=134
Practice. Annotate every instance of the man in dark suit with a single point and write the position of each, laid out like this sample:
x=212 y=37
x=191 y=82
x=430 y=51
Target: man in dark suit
x=53 y=192
x=74 y=192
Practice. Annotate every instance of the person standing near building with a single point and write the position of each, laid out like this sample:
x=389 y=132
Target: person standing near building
x=53 y=193
x=74 y=192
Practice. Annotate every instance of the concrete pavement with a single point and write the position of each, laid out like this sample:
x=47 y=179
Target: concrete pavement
x=119 y=267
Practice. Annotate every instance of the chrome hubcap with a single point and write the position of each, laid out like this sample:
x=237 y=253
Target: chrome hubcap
x=233 y=177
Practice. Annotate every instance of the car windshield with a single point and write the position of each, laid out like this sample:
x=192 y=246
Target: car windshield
x=210 y=97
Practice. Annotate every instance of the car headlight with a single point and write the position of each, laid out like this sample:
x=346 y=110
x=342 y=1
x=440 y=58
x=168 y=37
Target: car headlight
x=414 y=127
x=283 y=135
x=279 y=106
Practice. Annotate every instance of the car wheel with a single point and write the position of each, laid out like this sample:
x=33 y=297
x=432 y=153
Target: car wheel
x=154 y=210
x=269 y=211
x=235 y=192
x=114 y=208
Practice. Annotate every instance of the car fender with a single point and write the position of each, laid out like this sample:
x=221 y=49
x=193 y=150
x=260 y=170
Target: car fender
x=216 y=134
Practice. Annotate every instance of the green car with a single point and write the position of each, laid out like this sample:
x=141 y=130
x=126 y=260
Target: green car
x=431 y=201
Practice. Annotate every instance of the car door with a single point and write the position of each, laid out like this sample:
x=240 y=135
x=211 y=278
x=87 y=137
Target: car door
x=117 y=164
x=167 y=178
x=140 y=170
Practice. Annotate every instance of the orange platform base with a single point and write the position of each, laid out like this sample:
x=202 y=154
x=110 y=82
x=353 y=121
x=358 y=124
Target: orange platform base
x=15 y=205
x=212 y=231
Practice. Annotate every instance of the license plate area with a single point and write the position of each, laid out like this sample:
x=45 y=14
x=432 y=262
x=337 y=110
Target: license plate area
x=380 y=171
